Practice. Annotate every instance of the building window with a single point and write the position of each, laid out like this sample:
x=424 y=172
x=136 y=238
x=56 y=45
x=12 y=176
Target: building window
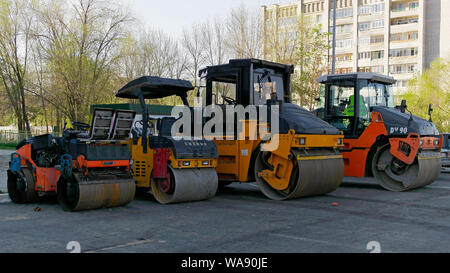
x=413 y=5
x=402 y=68
x=377 y=69
x=342 y=29
x=344 y=43
x=378 y=24
x=403 y=52
x=342 y=13
x=344 y=70
x=364 y=55
x=401 y=83
x=376 y=39
x=364 y=26
x=413 y=35
x=405 y=36
x=342 y=57
x=362 y=41
x=404 y=21
x=364 y=69
x=375 y=55
x=398 y=7
x=371 y=9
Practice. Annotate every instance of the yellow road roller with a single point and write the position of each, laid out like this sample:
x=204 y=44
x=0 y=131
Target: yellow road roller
x=172 y=169
x=306 y=161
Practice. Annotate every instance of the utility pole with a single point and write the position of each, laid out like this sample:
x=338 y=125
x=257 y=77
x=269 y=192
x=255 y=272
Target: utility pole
x=333 y=61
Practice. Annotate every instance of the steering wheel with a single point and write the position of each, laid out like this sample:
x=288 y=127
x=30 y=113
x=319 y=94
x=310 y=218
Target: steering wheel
x=229 y=100
x=81 y=125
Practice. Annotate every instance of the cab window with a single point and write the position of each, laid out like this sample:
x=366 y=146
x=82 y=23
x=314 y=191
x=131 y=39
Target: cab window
x=340 y=99
x=340 y=108
x=266 y=85
x=223 y=93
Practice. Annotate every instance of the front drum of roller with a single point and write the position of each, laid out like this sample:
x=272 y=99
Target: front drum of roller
x=188 y=185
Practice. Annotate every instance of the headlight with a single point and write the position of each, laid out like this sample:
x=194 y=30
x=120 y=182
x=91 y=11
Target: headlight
x=302 y=141
x=186 y=163
x=436 y=142
x=131 y=162
x=421 y=142
x=340 y=141
x=205 y=163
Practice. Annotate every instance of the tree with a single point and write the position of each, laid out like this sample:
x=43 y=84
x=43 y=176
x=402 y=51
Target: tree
x=192 y=43
x=299 y=42
x=310 y=60
x=433 y=86
x=15 y=43
x=80 y=51
x=213 y=42
x=244 y=33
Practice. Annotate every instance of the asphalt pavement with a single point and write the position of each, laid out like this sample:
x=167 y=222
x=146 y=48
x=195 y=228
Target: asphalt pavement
x=240 y=219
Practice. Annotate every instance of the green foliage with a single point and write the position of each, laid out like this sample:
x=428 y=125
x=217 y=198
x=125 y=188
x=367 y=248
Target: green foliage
x=310 y=60
x=433 y=86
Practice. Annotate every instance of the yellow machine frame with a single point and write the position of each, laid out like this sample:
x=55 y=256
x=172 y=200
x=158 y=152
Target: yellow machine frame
x=235 y=156
x=143 y=163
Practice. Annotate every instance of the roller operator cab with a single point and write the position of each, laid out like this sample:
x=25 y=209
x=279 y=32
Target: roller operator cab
x=173 y=169
x=85 y=169
x=400 y=150
x=446 y=153
x=306 y=161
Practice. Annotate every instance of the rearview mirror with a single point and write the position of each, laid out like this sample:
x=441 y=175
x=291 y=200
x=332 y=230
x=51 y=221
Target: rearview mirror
x=403 y=106
x=430 y=110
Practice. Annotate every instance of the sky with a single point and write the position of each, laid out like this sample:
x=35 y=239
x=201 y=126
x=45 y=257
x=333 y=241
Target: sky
x=172 y=16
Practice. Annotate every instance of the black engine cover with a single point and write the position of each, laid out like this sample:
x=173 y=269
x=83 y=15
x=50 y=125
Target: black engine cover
x=303 y=121
x=398 y=123
x=185 y=149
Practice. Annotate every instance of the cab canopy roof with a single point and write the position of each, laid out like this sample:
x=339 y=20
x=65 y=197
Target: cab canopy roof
x=240 y=63
x=356 y=76
x=154 y=88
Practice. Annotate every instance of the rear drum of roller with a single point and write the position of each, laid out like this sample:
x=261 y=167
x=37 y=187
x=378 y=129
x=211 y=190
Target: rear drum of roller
x=79 y=193
x=394 y=175
x=316 y=172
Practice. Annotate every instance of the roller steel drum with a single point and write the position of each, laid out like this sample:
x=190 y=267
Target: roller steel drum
x=394 y=175
x=315 y=172
x=187 y=185
x=102 y=191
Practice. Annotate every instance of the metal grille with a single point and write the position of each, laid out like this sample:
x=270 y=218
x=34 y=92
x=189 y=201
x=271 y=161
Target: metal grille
x=139 y=169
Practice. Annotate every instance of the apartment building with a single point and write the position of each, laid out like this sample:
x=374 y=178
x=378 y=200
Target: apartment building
x=393 y=37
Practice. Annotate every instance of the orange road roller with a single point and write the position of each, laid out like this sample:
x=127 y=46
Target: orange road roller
x=399 y=149
x=85 y=169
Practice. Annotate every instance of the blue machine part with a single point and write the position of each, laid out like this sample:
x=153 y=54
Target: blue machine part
x=66 y=165
x=15 y=163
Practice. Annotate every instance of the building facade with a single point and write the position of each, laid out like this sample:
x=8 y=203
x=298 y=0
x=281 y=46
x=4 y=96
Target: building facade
x=392 y=37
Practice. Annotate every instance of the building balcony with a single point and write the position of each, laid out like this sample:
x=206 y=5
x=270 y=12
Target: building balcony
x=403 y=44
x=402 y=60
x=404 y=12
x=404 y=27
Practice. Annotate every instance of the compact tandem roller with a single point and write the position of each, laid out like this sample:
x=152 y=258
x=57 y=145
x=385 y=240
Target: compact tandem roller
x=86 y=170
x=399 y=149
x=173 y=169
x=307 y=161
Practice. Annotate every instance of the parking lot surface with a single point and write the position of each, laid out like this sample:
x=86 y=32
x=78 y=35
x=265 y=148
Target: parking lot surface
x=240 y=219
